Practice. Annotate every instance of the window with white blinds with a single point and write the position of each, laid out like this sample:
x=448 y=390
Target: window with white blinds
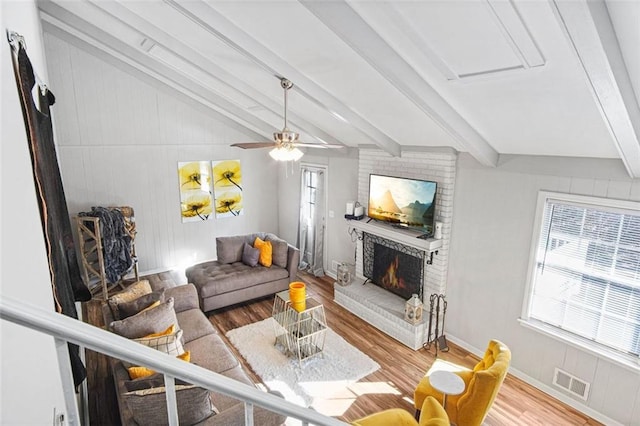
x=586 y=272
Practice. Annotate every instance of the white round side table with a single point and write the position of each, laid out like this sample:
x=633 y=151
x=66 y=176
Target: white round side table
x=446 y=382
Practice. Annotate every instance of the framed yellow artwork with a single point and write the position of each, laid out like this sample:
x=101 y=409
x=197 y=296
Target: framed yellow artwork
x=227 y=188
x=196 y=201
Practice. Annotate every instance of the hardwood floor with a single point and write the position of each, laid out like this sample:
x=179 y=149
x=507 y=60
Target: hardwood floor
x=391 y=386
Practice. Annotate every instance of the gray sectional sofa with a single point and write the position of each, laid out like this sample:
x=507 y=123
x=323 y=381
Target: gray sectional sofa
x=207 y=349
x=228 y=280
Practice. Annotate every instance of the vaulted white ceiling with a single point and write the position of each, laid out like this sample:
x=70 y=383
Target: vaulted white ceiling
x=487 y=77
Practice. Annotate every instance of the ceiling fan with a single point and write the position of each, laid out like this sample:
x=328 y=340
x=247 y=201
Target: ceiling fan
x=285 y=145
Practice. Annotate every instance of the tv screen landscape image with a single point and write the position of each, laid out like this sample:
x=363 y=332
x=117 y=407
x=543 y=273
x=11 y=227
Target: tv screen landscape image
x=402 y=201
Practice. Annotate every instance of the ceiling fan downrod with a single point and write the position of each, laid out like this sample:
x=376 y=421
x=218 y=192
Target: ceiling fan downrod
x=286 y=135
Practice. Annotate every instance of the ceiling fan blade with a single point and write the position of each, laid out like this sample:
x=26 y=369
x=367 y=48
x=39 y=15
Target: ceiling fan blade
x=318 y=145
x=285 y=139
x=252 y=145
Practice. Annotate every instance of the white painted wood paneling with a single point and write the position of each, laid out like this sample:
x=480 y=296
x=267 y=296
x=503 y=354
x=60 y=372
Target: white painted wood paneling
x=491 y=236
x=119 y=142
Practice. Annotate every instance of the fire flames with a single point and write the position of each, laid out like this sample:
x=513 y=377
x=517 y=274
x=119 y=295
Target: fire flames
x=390 y=279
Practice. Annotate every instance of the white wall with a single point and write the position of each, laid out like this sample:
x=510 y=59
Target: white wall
x=120 y=138
x=342 y=176
x=491 y=235
x=30 y=385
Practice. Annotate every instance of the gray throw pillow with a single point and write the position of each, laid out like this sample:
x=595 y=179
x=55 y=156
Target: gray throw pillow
x=280 y=251
x=149 y=406
x=250 y=255
x=154 y=320
x=127 y=309
x=132 y=292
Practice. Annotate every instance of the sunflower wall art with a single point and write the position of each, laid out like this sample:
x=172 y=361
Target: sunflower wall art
x=227 y=188
x=196 y=201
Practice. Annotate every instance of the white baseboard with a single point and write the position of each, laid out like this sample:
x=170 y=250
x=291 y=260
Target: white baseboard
x=541 y=386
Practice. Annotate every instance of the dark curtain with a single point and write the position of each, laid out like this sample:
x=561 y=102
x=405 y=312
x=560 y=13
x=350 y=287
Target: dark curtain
x=66 y=281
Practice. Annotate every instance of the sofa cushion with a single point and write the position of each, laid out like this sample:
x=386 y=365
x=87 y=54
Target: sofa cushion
x=184 y=297
x=194 y=324
x=223 y=402
x=127 y=309
x=229 y=249
x=266 y=252
x=147 y=322
x=149 y=406
x=212 y=353
x=214 y=278
x=280 y=250
x=250 y=255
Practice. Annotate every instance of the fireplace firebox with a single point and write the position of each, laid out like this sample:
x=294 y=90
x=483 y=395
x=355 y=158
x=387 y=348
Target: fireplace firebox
x=393 y=266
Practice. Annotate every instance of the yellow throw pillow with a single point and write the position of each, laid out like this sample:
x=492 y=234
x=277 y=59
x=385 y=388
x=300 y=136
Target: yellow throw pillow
x=151 y=306
x=170 y=330
x=266 y=252
x=139 y=372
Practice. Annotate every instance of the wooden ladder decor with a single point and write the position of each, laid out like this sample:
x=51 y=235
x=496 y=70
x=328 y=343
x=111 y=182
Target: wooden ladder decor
x=91 y=252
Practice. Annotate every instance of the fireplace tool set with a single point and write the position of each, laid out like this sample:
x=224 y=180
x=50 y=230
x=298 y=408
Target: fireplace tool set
x=437 y=306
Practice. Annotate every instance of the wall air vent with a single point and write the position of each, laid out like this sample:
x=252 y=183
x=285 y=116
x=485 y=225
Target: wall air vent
x=571 y=384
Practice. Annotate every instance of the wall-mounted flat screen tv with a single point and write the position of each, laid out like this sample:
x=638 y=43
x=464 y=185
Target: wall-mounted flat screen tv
x=402 y=201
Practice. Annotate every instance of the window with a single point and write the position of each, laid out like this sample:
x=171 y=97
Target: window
x=585 y=271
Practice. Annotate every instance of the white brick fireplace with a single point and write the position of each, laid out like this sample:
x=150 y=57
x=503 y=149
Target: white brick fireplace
x=379 y=307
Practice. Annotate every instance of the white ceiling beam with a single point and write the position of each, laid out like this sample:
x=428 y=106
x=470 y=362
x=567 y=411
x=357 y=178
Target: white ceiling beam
x=364 y=40
x=589 y=30
x=195 y=60
x=68 y=23
x=215 y=23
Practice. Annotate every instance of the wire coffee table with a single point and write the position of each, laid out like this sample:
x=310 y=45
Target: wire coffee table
x=299 y=334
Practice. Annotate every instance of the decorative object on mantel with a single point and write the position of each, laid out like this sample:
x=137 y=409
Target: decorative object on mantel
x=413 y=310
x=227 y=188
x=437 y=233
x=286 y=145
x=354 y=211
x=437 y=306
x=195 y=190
x=343 y=274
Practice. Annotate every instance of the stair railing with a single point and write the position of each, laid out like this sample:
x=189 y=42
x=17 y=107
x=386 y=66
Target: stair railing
x=66 y=329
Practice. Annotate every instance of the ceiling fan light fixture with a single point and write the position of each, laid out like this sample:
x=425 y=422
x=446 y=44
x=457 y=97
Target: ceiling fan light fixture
x=286 y=136
x=283 y=153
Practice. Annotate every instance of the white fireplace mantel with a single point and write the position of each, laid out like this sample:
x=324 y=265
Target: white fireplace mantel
x=408 y=237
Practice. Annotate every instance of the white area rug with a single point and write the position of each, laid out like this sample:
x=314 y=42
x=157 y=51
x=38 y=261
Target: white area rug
x=318 y=380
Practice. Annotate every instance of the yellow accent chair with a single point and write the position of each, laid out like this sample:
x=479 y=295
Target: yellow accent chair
x=432 y=414
x=481 y=385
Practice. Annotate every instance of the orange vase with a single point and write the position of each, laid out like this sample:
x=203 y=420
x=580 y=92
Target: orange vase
x=298 y=295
